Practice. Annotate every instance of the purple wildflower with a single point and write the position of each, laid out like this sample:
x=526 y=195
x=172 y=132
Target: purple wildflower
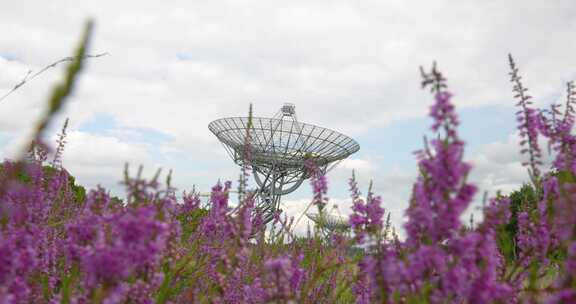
x=285 y=276
x=319 y=184
x=367 y=216
x=439 y=261
x=441 y=193
x=528 y=123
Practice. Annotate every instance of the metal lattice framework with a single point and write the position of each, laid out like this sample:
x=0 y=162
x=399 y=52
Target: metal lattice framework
x=279 y=147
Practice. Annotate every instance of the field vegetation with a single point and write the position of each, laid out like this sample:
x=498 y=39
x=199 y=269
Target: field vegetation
x=60 y=242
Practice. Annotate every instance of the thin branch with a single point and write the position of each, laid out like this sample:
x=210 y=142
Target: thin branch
x=29 y=76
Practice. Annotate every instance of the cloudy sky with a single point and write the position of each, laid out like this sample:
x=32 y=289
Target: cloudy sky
x=174 y=66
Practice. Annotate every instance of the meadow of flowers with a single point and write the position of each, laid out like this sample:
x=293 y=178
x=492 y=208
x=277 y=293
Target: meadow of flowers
x=60 y=243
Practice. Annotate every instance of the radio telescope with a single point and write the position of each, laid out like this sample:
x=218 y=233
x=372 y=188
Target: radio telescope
x=279 y=147
x=329 y=223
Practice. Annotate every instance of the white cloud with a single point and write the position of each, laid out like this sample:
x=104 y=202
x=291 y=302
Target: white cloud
x=498 y=165
x=355 y=164
x=97 y=159
x=354 y=62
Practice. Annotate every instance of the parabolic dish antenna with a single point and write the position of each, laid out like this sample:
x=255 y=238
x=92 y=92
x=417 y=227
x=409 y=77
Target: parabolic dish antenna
x=279 y=147
x=329 y=223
